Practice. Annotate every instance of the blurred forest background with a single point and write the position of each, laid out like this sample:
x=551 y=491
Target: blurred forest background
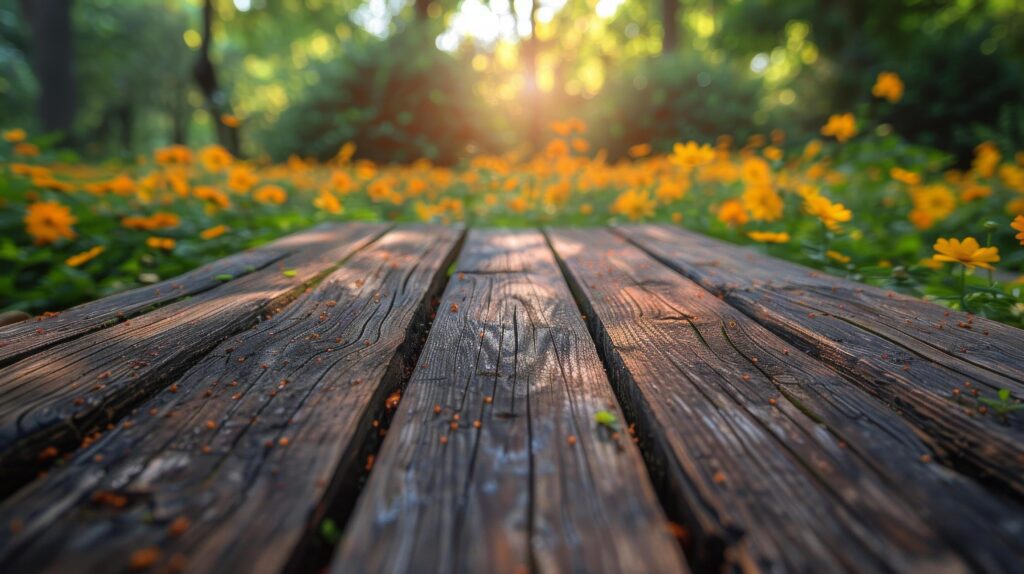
x=440 y=79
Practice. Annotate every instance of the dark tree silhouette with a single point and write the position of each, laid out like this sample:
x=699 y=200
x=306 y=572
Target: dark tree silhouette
x=217 y=100
x=53 y=62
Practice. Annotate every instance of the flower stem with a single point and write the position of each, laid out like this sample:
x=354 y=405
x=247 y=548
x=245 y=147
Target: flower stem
x=963 y=288
x=988 y=243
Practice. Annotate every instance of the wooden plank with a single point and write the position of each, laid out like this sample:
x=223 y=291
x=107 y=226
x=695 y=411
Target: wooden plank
x=257 y=440
x=22 y=339
x=51 y=401
x=536 y=485
x=862 y=332
x=868 y=467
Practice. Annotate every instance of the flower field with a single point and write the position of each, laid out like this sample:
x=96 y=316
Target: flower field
x=857 y=202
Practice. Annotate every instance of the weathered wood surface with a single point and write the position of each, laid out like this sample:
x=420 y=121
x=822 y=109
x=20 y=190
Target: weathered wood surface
x=850 y=484
x=22 y=339
x=494 y=462
x=920 y=359
x=54 y=400
x=234 y=467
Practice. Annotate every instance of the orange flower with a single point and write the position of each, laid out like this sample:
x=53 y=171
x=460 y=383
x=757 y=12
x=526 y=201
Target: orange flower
x=889 y=86
x=967 y=253
x=49 y=221
x=215 y=159
x=84 y=257
x=26 y=149
x=16 y=135
x=230 y=120
x=329 y=203
x=640 y=150
x=271 y=194
x=213 y=232
x=732 y=213
x=164 y=243
x=840 y=126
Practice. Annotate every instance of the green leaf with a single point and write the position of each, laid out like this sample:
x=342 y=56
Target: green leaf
x=329 y=531
x=289 y=272
x=224 y=277
x=1004 y=395
x=607 y=419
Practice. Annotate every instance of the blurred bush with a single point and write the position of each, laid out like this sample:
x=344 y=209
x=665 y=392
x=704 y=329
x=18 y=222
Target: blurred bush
x=399 y=100
x=958 y=95
x=672 y=98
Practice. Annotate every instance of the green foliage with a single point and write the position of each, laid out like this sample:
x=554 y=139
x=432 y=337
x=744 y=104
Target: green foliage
x=1003 y=404
x=607 y=419
x=959 y=93
x=672 y=98
x=399 y=100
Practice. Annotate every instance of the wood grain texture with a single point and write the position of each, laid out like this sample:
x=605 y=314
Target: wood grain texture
x=254 y=442
x=863 y=479
x=901 y=350
x=536 y=486
x=22 y=339
x=54 y=400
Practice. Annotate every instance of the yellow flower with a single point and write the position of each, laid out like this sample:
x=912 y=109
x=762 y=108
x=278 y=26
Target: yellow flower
x=762 y=202
x=837 y=256
x=812 y=149
x=670 y=190
x=889 y=86
x=840 y=126
x=830 y=214
x=677 y=217
x=329 y=203
x=732 y=213
x=84 y=257
x=634 y=204
x=769 y=236
x=1018 y=224
x=931 y=203
x=967 y=253
x=691 y=154
x=586 y=209
x=213 y=232
x=773 y=153
x=164 y=243
x=639 y=150
x=904 y=176
x=215 y=159
x=16 y=135
x=48 y=221
x=986 y=159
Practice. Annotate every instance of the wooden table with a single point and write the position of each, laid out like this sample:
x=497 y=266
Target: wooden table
x=374 y=398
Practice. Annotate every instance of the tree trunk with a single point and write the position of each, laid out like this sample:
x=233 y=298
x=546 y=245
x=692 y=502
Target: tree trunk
x=530 y=57
x=53 y=62
x=422 y=8
x=206 y=77
x=670 y=23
